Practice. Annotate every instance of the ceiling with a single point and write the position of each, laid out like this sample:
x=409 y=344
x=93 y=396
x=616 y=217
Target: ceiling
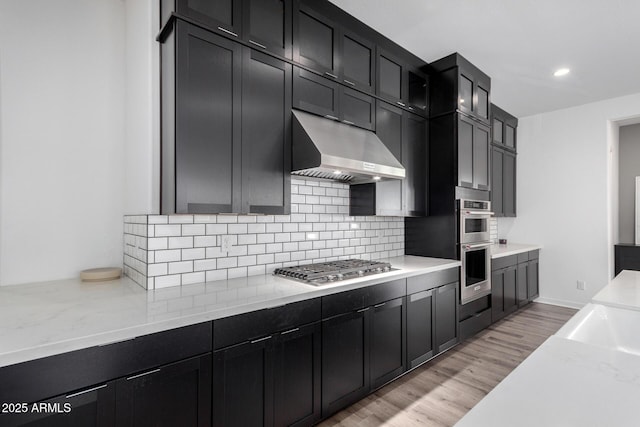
x=520 y=43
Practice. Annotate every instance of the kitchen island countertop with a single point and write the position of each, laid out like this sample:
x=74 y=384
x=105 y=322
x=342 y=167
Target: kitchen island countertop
x=43 y=319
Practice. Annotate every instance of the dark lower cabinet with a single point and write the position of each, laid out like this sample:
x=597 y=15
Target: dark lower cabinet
x=522 y=284
x=503 y=292
x=297 y=377
x=241 y=378
x=387 y=352
x=91 y=407
x=533 y=290
x=627 y=257
x=446 y=320
x=419 y=328
x=345 y=360
x=176 y=394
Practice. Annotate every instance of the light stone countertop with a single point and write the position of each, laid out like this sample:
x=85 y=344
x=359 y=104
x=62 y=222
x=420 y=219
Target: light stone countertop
x=44 y=319
x=564 y=383
x=499 y=251
x=623 y=291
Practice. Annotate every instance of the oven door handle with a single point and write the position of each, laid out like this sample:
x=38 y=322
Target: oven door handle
x=476 y=246
x=483 y=213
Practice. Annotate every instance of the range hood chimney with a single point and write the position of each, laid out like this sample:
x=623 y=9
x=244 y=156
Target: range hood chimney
x=324 y=148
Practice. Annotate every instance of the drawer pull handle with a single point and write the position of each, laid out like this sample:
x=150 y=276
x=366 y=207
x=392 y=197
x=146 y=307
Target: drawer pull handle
x=348 y=122
x=402 y=104
x=379 y=305
x=329 y=116
x=349 y=83
x=261 y=339
x=290 y=331
x=143 y=374
x=257 y=44
x=331 y=75
x=69 y=396
x=224 y=30
x=363 y=310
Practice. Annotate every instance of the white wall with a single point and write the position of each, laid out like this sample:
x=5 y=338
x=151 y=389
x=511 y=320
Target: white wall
x=63 y=137
x=564 y=195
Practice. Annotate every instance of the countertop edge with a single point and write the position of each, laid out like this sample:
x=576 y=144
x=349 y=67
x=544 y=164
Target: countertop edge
x=512 y=249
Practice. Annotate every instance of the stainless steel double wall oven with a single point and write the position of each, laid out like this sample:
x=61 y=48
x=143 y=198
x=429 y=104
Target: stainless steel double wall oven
x=475 y=253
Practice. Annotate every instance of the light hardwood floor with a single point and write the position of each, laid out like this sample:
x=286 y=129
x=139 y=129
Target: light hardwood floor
x=441 y=391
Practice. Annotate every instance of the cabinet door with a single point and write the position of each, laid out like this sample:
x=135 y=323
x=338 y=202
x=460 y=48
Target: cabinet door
x=482 y=101
x=419 y=328
x=533 y=280
x=388 y=336
x=497 y=195
x=94 y=406
x=390 y=71
x=207 y=151
x=510 y=136
x=389 y=194
x=465 y=151
x=414 y=160
x=417 y=91
x=315 y=40
x=357 y=109
x=497 y=295
x=481 y=157
x=225 y=15
x=446 y=317
x=267 y=25
x=509 y=184
x=176 y=394
x=297 y=377
x=315 y=94
x=522 y=280
x=497 y=127
x=358 y=66
x=510 y=290
x=465 y=92
x=266 y=134
x=345 y=360
x=242 y=376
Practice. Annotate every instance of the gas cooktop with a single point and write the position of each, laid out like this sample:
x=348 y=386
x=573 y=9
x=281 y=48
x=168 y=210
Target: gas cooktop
x=329 y=272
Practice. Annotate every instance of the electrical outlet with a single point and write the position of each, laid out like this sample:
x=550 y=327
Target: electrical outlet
x=225 y=244
x=582 y=285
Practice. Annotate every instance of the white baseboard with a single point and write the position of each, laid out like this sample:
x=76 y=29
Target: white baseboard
x=561 y=303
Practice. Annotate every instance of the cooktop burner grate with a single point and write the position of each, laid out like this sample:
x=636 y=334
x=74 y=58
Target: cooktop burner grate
x=328 y=272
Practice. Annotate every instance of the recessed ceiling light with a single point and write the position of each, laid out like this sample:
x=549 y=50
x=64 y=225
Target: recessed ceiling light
x=561 y=72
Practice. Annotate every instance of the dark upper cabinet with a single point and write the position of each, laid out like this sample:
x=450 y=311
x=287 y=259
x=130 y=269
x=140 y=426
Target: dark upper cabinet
x=504 y=128
x=264 y=24
x=405 y=135
x=503 y=166
x=473 y=154
x=223 y=104
x=266 y=135
x=458 y=85
x=327 y=98
x=316 y=40
x=176 y=394
x=400 y=84
x=358 y=62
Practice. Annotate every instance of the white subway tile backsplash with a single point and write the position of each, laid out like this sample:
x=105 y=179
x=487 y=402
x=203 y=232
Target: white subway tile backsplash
x=175 y=250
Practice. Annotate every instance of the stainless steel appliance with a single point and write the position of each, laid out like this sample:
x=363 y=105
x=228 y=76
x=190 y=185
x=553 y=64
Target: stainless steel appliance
x=474 y=221
x=475 y=252
x=329 y=272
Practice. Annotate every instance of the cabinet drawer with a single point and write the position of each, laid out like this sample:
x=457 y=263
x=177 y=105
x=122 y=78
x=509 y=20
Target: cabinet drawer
x=475 y=324
x=534 y=254
x=497 y=264
x=50 y=376
x=431 y=280
x=243 y=327
x=344 y=302
x=387 y=291
x=523 y=257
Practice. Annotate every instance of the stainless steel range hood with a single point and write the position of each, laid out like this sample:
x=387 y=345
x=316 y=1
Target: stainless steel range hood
x=324 y=148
